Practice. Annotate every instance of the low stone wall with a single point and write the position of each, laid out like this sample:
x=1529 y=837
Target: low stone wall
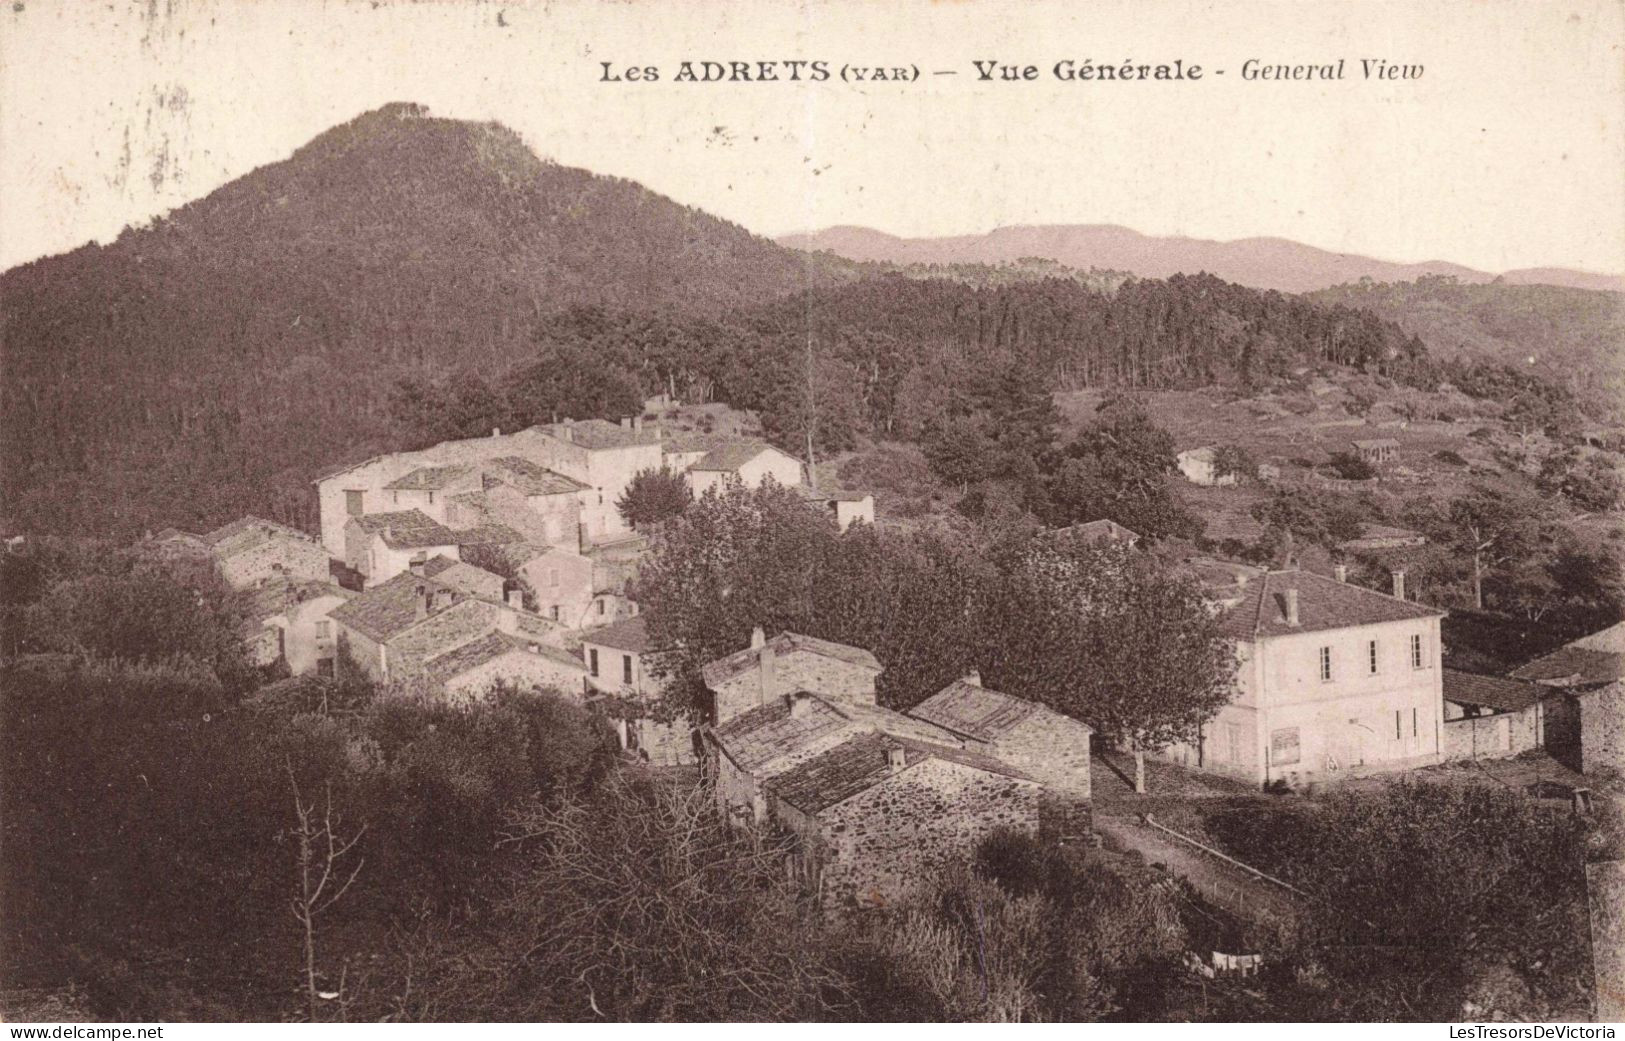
x=1490 y=737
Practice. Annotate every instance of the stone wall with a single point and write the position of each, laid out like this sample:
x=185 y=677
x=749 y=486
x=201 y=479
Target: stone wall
x=279 y=556
x=880 y=846
x=1050 y=748
x=521 y=669
x=1602 y=730
x=441 y=631
x=790 y=672
x=1491 y=737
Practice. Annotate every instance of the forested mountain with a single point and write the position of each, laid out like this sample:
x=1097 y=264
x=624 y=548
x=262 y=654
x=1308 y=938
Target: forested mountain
x=403 y=278
x=1266 y=263
x=1571 y=336
x=208 y=363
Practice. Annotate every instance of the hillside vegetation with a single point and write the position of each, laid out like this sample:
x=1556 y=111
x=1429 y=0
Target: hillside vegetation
x=1572 y=336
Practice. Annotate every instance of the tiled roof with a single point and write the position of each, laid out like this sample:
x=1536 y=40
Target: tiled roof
x=1610 y=639
x=1323 y=603
x=531 y=478
x=460 y=575
x=772 y=731
x=431 y=478
x=488 y=534
x=689 y=441
x=734 y=454
x=1505 y=695
x=973 y=710
x=739 y=662
x=407 y=529
x=598 y=434
x=1573 y=665
x=861 y=763
x=271 y=598
x=629 y=635
x=390 y=608
x=826 y=495
x=488 y=648
x=248 y=532
x=438 y=564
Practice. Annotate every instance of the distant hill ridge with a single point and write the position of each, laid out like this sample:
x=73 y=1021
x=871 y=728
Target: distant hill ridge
x=1263 y=263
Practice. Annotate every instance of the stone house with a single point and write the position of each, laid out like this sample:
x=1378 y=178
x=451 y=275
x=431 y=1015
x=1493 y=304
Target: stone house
x=562 y=584
x=1043 y=744
x=1199 y=466
x=359 y=488
x=391 y=629
x=379 y=546
x=603 y=458
x=290 y=622
x=463 y=577
x=250 y=551
x=1490 y=717
x=749 y=462
x=1585 y=709
x=848 y=508
x=472 y=669
x=878 y=816
x=878 y=800
x=430 y=488
x=617 y=665
x=1377 y=451
x=770 y=669
x=1332 y=680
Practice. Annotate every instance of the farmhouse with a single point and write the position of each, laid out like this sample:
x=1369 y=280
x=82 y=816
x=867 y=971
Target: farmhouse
x=288 y=622
x=380 y=546
x=1332 y=680
x=617 y=666
x=603 y=457
x=1585 y=711
x=561 y=583
x=749 y=462
x=472 y=669
x=465 y=578
x=251 y=550
x=879 y=799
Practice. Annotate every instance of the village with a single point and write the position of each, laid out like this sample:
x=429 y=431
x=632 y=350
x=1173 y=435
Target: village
x=505 y=561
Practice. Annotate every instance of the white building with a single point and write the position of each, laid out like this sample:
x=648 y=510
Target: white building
x=1332 y=680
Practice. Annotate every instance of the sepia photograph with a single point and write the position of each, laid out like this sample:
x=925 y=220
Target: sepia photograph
x=812 y=511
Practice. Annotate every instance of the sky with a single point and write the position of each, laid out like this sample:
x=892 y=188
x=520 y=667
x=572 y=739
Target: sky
x=1508 y=152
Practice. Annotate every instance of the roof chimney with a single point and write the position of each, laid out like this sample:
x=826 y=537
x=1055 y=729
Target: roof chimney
x=1341 y=572
x=416 y=567
x=637 y=423
x=1399 y=583
x=974 y=677
x=1292 y=607
x=626 y=423
x=758 y=639
x=496 y=431
x=515 y=598
x=895 y=759
x=764 y=668
x=800 y=704
x=420 y=601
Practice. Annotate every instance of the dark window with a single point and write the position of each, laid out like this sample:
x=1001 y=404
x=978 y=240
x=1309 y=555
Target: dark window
x=626 y=668
x=352 y=502
x=601 y=605
x=555 y=612
x=592 y=660
x=1397 y=734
